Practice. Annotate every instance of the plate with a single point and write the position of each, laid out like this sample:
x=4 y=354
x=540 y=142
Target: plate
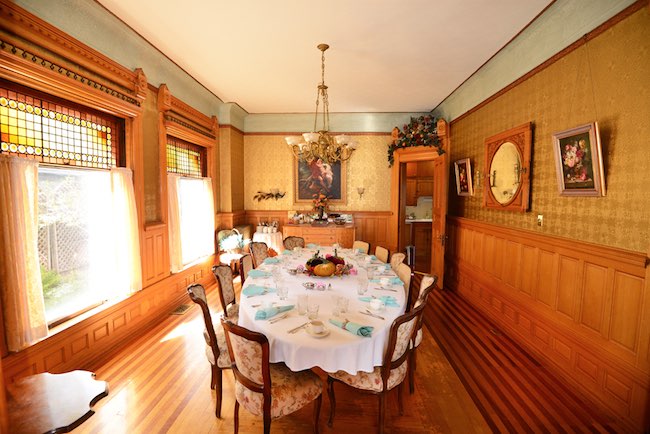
x=326 y=332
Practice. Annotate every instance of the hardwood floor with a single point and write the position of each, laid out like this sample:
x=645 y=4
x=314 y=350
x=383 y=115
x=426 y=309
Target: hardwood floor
x=160 y=383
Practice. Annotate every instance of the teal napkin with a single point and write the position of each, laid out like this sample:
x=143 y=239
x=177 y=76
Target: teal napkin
x=388 y=300
x=312 y=246
x=352 y=327
x=373 y=258
x=271 y=260
x=286 y=252
x=258 y=273
x=270 y=312
x=393 y=281
x=256 y=290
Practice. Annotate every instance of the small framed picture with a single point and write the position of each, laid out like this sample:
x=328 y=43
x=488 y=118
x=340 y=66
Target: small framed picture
x=463 y=170
x=579 y=161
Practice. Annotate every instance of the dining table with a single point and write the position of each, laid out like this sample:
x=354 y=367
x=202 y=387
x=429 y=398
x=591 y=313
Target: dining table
x=290 y=335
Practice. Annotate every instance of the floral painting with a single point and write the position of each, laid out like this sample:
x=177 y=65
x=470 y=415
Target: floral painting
x=318 y=177
x=579 y=161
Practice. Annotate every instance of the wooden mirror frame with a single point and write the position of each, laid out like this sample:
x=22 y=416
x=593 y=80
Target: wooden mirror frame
x=521 y=137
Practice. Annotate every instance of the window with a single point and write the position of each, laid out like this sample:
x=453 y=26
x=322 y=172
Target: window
x=191 y=208
x=77 y=222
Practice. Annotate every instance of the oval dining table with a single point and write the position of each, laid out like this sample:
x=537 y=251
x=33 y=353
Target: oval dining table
x=340 y=349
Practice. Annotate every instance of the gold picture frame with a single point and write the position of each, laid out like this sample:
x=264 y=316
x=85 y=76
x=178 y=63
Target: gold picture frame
x=310 y=179
x=463 y=170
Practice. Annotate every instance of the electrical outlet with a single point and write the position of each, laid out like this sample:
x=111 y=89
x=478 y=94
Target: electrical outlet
x=540 y=219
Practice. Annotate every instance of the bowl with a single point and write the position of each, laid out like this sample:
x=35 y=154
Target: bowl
x=309 y=285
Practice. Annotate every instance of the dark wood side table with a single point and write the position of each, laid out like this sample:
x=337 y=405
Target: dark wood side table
x=53 y=403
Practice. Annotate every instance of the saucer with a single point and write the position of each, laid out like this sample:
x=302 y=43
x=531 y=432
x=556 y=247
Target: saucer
x=317 y=335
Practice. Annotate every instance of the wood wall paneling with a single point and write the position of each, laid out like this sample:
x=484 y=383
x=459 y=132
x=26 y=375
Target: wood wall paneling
x=579 y=307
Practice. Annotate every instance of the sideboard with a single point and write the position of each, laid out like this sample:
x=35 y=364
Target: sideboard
x=323 y=235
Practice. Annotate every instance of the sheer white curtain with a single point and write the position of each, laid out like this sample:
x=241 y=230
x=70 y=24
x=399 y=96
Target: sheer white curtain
x=174 y=223
x=21 y=289
x=191 y=220
x=127 y=236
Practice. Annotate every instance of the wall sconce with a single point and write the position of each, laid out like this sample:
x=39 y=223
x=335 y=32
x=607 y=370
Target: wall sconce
x=493 y=178
x=477 y=179
x=273 y=194
x=360 y=190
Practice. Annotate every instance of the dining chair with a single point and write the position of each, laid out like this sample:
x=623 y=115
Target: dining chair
x=386 y=377
x=265 y=389
x=226 y=288
x=382 y=254
x=405 y=274
x=260 y=252
x=362 y=246
x=396 y=259
x=216 y=347
x=245 y=266
x=427 y=285
x=291 y=241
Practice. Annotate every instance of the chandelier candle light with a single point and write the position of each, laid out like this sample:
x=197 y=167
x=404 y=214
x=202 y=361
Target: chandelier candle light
x=320 y=145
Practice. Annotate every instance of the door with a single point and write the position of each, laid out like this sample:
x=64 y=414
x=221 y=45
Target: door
x=439 y=212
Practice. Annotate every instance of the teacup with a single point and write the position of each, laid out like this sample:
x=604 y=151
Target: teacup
x=385 y=281
x=317 y=326
x=368 y=259
x=376 y=304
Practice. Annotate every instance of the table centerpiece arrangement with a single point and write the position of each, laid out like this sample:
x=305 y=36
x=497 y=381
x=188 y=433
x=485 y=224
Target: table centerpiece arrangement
x=330 y=265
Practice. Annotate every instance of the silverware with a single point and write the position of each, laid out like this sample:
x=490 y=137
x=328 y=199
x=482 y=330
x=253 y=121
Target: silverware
x=278 y=318
x=294 y=330
x=372 y=315
x=381 y=288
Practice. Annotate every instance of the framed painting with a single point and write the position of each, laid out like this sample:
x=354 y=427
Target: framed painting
x=463 y=169
x=579 y=161
x=319 y=177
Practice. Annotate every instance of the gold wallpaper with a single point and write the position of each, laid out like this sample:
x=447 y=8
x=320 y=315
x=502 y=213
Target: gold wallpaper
x=268 y=163
x=608 y=81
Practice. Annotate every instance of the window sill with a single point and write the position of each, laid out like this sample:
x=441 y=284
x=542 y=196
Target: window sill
x=79 y=318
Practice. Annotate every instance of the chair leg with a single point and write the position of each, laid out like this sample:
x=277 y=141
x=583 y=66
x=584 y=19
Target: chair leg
x=411 y=372
x=330 y=393
x=400 y=402
x=317 y=404
x=382 y=411
x=219 y=393
x=267 y=423
x=236 y=416
x=213 y=376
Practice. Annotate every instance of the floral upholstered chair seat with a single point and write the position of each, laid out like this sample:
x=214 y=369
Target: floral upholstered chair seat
x=292 y=242
x=372 y=380
x=290 y=391
x=224 y=356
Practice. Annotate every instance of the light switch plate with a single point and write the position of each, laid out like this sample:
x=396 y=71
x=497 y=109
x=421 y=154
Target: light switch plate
x=540 y=219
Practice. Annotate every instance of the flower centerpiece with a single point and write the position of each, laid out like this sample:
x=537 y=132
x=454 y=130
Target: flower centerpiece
x=331 y=265
x=420 y=131
x=320 y=203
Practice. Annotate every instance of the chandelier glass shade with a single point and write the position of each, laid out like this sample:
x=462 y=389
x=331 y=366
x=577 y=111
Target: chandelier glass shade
x=319 y=144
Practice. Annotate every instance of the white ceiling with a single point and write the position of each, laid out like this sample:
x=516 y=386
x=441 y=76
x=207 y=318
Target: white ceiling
x=384 y=56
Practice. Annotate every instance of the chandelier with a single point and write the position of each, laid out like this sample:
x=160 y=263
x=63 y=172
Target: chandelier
x=320 y=145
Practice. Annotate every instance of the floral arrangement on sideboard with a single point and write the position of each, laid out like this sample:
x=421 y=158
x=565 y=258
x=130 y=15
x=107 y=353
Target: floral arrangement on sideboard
x=420 y=131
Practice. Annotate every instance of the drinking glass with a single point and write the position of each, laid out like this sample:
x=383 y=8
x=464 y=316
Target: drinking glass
x=342 y=304
x=362 y=285
x=283 y=291
x=335 y=306
x=303 y=301
x=371 y=273
x=312 y=311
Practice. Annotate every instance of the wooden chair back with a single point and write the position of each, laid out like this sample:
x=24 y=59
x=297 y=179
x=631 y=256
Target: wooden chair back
x=396 y=259
x=382 y=254
x=260 y=252
x=245 y=266
x=361 y=246
x=197 y=295
x=226 y=288
x=405 y=274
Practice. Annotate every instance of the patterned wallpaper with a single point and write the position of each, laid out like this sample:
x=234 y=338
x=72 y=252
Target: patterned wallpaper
x=268 y=163
x=607 y=80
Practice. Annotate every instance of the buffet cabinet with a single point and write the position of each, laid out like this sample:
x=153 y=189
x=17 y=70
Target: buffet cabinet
x=322 y=235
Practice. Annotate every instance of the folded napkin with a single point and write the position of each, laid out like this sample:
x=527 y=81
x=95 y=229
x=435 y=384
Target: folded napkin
x=312 y=246
x=271 y=260
x=388 y=300
x=373 y=257
x=352 y=327
x=258 y=273
x=393 y=281
x=286 y=252
x=270 y=312
x=256 y=290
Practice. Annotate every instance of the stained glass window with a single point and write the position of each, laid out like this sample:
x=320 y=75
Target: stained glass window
x=185 y=158
x=56 y=134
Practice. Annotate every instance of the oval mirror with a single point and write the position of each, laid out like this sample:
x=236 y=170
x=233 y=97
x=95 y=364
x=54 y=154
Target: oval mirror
x=507 y=169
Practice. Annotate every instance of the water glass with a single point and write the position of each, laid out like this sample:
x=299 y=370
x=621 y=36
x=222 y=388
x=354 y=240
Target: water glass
x=362 y=285
x=342 y=304
x=312 y=311
x=283 y=291
x=303 y=301
x=371 y=273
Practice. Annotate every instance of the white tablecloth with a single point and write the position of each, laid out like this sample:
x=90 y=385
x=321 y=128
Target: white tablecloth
x=341 y=350
x=273 y=240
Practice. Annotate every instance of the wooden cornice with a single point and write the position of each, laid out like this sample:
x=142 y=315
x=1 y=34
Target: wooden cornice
x=28 y=37
x=184 y=121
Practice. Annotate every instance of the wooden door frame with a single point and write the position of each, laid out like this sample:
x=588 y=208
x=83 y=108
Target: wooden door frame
x=407 y=155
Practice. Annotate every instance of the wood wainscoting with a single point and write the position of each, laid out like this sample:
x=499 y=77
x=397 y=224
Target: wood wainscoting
x=95 y=338
x=580 y=308
x=370 y=226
